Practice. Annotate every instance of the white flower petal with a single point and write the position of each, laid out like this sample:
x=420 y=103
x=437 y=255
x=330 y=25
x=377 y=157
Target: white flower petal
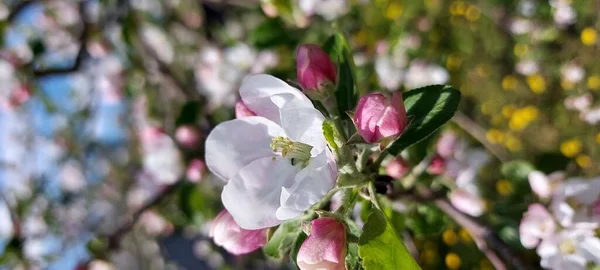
x=310 y=185
x=304 y=125
x=236 y=143
x=540 y=184
x=591 y=248
x=253 y=195
x=265 y=95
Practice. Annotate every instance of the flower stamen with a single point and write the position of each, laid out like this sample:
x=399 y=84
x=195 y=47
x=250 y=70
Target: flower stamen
x=297 y=152
x=567 y=247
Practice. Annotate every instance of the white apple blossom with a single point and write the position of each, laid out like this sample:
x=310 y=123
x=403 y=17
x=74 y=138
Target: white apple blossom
x=329 y=9
x=545 y=185
x=527 y=67
x=572 y=72
x=570 y=249
x=574 y=201
x=537 y=224
x=276 y=164
x=579 y=103
x=421 y=74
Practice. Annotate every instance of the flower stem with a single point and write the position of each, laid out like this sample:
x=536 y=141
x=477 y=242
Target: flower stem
x=348 y=200
x=380 y=158
x=373 y=195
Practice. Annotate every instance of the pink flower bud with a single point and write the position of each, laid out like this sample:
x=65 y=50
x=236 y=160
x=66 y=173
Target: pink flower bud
x=437 y=165
x=228 y=234
x=396 y=168
x=241 y=110
x=195 y=170
x=316 y=71
x=325 y=247
x=377 y=117
x=187 y=136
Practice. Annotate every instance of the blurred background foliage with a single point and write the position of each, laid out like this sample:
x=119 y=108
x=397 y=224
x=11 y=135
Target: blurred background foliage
x=85 y=84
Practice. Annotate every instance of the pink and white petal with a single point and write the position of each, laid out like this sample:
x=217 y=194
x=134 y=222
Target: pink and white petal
x=253 y=195
x=304 y=125
x=325 y=247
x=234 y=144
x=258 y=91
x=310 y=185
x=467 y=203
x=369 y=111
x=229 y=235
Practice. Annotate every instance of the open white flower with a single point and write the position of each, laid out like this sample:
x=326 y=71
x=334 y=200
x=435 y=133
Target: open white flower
x=276 y=164
x=574 y=202
x=570 y=249
x=537 y=224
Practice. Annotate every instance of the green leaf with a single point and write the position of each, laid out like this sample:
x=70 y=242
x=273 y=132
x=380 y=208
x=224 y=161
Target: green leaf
x=430 y=107
x=380 y=247
x=517 y=170
x=283 y=239
x=352 y=256
x=345 y=92
x=329 y=133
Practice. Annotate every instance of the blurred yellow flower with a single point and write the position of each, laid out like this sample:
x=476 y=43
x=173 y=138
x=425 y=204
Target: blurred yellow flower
x=473 y=13
x=589 y=36
x=509 y=82
x=458 y=8
x=598 y=138
x=450 y=238
x=584 y=161
x=452 y=261
x=571 y=148
x=504 y=187
x=394 y=11
x=521 y=118
x=508 y=110
x=513 y=144
x=536 y=83
x=494 y=136
x=465 y=236
x=520 y=49
x=530 y=113
x=453 y=62
x=593 y=82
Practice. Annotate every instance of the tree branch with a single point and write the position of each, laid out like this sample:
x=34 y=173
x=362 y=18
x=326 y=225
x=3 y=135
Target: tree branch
x=114 y=238
x=18 y=8
x=478 y=133
x=83 y=40
x=487 y=241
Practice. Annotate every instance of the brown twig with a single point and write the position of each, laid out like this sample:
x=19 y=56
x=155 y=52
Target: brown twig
x=18 y=8
x=468 y=125
x=487 y=241
x=114 y=238
x=83 y=40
